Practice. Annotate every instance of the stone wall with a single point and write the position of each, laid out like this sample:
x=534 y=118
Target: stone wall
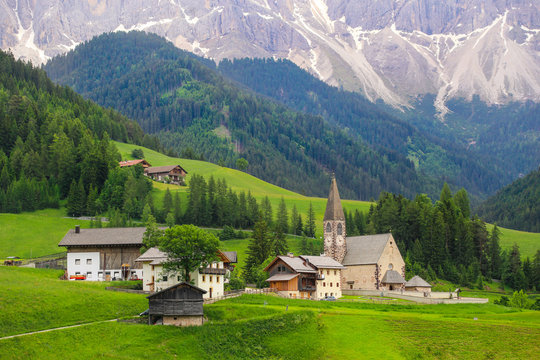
x=362 y=275
x=432 y=298
x=196 y=320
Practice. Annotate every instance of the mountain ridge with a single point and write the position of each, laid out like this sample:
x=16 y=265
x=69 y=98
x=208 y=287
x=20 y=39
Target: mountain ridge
x=394 y=50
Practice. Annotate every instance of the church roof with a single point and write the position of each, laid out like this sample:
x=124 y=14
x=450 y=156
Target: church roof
x=334 y=211
x=364 y=250
x=417 y=281
x=392 y=277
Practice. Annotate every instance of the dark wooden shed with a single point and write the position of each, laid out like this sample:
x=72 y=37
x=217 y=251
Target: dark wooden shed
x=180 y=305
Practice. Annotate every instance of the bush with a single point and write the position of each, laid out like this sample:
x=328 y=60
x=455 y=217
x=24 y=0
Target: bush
x=227 y=233
x=137 y=154
x=504 y=301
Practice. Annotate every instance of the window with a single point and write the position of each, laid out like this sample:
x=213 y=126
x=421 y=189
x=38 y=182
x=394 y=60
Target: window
x=217 y=279
x=323 y=284
x=88 y=261
x=330 y=284
x=210 y=278
x=328 y=227
x=108 y=273
x=327 y=272
x=100 y=274
x=178 y=278
x=331 y=294
x=77 y=261
x=339 y=229
x=77 y=273
x=89 y=274
x=322 y=272
x=335 y=272
x=390 y=266
x=350 y=286
x=116 y=274
x=337 y=284
x=203 y=278
x=165 y=278
x=325 y=294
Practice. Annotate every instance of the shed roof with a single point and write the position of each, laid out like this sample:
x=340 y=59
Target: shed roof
x=162 y=169
x=182 y=284
x=392 y=277
x=322 y=262
x=232 y=255
x=417 y=281
x=132 y=236
x=282 y=277
x=334 y=210
x=363 y=250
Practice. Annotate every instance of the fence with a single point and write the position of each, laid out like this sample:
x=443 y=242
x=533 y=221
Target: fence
x=432 y=298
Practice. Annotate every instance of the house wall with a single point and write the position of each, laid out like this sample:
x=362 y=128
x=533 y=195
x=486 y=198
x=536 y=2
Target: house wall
x=195 y=320
x=113 y=257
x=418 y=289
x=83 y=268
x=330 y=285
x=210 y=281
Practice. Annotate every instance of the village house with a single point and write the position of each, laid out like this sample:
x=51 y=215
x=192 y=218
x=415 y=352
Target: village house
x=211 y=279
x=175 y=173
x=305 y=277
x=103 y=254
x=372 y=262
x=180 y=304
x=145 y=164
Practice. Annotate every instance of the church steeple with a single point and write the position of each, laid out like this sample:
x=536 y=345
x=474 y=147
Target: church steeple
x=335 y=244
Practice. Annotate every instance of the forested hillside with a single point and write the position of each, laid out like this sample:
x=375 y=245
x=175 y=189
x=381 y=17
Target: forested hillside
x=53 y=142
x=516 y=206
x=194 y=109
x=283 y=81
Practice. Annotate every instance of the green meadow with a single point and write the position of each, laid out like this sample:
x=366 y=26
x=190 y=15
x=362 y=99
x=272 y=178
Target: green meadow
x=252 y=327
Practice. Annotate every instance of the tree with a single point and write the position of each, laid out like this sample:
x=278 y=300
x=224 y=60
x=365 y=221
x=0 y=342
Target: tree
x=280 y=243
x=137 y=153
x=188 y=248
x=267 y=214
x=495 y=253
x=258 y=250
x=242 y=164
x=76 y=199
x=310 y=222
x=152 y=234
x=282 y=221
x=461 y=199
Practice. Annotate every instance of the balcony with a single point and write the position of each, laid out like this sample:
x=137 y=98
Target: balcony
x=320 y=276
x=307 y=288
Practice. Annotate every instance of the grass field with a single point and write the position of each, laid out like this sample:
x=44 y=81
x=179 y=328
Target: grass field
x=529 y=243
x=253 y=327
x=34 y=234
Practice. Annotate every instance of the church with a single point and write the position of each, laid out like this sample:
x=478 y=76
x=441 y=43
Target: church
x=372 y=262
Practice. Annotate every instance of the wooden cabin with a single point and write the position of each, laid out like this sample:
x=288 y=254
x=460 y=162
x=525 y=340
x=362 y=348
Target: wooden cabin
x=179 y=305
x=175 y=173
x=145 y=164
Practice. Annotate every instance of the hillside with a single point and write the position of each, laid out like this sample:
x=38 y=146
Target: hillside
x=517 y=205
x=445 y=156
x=199 y=113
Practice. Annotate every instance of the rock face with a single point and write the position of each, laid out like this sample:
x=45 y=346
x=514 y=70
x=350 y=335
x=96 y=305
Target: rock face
x=394 y=50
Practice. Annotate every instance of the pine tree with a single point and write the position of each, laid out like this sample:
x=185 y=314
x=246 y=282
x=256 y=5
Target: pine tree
x=294 y=220
x=177 y=211
x=266 y=208
x=495 y=253
x=304 y=246
x=258 y=250
x=91 y=205
x=280 y=245
x=310 y=222
x=167 y=202
x=282 y=224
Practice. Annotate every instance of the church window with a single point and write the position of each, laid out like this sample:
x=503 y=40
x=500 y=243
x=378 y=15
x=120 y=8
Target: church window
x=328 y=227
x=337 y=284
x=390 y=266
x=339 y=229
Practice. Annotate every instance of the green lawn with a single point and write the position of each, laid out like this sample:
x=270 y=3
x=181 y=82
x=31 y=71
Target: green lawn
x=253 y=327
x=34 y=234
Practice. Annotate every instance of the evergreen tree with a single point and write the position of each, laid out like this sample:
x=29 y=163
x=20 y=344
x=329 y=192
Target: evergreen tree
x=167 y=203
x=177 y=211
x=495 y=253
x=266 y=208
x=304 y=246
x=461 y=199
x=258 y=250
x=282 y=224
x=310 y=222
x=280 y=245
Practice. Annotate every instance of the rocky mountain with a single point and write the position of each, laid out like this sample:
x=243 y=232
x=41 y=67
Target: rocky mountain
x=394 y=50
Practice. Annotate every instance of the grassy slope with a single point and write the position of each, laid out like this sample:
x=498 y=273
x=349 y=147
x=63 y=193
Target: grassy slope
x=34 y=234
x=253 y=327
x=529 y=243
x=238 y=181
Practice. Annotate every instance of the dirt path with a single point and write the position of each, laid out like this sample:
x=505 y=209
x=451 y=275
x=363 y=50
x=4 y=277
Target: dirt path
x=54 y=329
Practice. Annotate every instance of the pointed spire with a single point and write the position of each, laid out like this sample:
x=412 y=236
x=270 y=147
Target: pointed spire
x=334 y=211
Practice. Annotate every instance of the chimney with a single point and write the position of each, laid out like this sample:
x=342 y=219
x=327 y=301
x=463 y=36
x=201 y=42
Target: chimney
x=291 y=255
x=77 y=229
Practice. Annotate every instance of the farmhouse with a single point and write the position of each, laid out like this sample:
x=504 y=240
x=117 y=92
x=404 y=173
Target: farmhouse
x=128 y=163
x=103 y=254
x=175 y=173
x=180 y=304
x=211 y=279
x=305 y=277
x=372 y=262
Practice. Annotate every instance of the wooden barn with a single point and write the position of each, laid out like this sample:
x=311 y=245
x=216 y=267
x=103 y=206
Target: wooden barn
x=179 y=305
x=145 y=164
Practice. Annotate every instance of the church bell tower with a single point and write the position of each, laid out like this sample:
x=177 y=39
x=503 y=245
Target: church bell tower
x=335 y=245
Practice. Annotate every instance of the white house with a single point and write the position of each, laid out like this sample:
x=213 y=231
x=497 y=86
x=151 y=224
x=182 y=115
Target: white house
x=211 y=279
x=103 y=254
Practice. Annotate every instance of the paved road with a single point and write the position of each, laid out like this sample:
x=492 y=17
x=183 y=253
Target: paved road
x=58 y=328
